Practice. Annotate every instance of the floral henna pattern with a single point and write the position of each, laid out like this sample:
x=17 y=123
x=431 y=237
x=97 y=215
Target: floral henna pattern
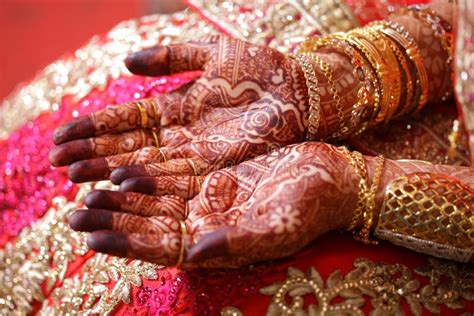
x=247 y=101
x=261 y=209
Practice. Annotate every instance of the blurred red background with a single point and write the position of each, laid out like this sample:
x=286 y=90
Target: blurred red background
x=33 y=33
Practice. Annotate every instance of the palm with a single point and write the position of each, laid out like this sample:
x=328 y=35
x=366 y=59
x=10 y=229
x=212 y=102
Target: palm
x=266 y=208
x=248 y=100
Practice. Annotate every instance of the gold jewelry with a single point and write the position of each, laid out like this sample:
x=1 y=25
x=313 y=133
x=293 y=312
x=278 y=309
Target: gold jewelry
x=357 y=162
x=154 y=108
x=198 y=183
x=368 y=95
x=407 y=77
x=184 y=234
x=430 y=213
x=314 y=96
x=156 y=140
x=364 y=232
x=143 y=114
x=386 y=66
x=398 y=33
x=327 y=71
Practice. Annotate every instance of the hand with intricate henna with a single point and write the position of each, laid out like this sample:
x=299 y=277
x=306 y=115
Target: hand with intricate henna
x=261 y=209
x=248 y=100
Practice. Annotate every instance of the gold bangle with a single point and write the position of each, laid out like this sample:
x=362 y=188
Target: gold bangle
x=156 y=140
x=143 y=114
x=327 y=71
x=398 y=33
x=386 y=67
x=314 y=96
x=373 y=58
x=368 y=95
x=184 y=234
x=402 y=61
x=154 y=108
x=364 y=232
x=357 y=162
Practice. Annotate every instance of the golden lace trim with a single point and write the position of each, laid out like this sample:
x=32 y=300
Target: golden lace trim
x=94 y=65
x=385 y=285
x=278 y=24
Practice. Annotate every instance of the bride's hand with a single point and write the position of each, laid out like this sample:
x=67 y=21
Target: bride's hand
x=261 y=209
x=247 y=100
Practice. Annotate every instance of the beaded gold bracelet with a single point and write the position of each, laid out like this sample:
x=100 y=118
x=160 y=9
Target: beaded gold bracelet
x=314 y=95
x=327 y=71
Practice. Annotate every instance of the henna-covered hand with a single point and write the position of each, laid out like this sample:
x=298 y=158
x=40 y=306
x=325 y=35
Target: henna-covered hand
x=248 y=100
x=261 y=209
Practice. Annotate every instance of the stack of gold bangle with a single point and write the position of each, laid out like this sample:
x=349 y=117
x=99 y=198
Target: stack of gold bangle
x=393 y=80
x=363 y=215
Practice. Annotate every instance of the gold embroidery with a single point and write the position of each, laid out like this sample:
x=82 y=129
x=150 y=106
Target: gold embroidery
x=386 y=286
x=98 y=272
x=94 y=65
x=42 y=255
x=279 y=24
x=429 y=213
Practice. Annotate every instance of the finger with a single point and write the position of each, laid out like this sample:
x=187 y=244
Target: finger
x=105 y=145
x=99 y=219
x=138 y=204
x=101 y=168
x=160 y=249
x=165 y=60
x=110 y=120
x=180 y=166
x=184 y=186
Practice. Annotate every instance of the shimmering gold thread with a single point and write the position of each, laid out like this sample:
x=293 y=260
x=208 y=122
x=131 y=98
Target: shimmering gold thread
x=386 y=67
x=429 y=208
x=327 y=71
x=314 y=96
x=156 y=140
x=143 y=114
x=398 y=33
x=390 y=285
x=357 y=162
x=364 y=232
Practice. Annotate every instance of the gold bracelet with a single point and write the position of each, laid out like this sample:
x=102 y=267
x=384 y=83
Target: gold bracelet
x=156 y=140
x=314 y=96
x=327 y=71
x=387 y=69
x=374 y=59
x=154 y=108
x=398 y=33
x=364 y=232
x=143 y=114
x=368 y=95
x=184 y=234
x=402 y=61
x=429 y=213
x=357 y=162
